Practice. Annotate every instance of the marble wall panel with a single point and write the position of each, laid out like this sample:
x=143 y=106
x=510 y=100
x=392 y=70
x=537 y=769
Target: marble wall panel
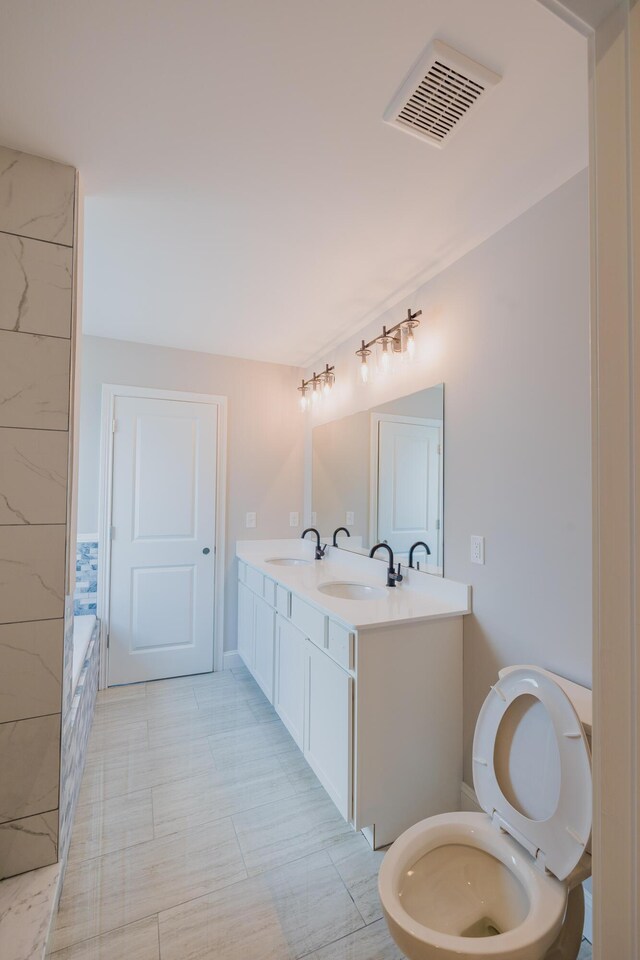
x=32 y=568
x=34 y=381
x=36 y=197
x=30 y=669
x=28 y=843
x=37 y=214
x=35 y=286
x=33 y=476
x=30 y=767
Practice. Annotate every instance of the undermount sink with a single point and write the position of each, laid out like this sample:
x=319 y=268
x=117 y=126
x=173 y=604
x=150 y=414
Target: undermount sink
x=288 y=561
x=344 y=590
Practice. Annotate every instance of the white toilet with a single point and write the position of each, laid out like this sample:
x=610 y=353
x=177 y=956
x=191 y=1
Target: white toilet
x=505 y=883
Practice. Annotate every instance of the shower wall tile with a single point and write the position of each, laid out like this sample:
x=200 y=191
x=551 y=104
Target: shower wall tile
x=35 y=286
x=37 y=344
x=77 y=718
x=33 y=476
x=28 y=843
x=36 y=197
x=30 y=767
x=32 y=567
x=30 y=669
x=34 y=381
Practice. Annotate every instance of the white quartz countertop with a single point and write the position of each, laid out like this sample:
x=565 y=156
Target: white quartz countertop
x=420 y=596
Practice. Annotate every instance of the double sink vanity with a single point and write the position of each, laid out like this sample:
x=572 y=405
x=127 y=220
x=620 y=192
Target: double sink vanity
x=367 y=678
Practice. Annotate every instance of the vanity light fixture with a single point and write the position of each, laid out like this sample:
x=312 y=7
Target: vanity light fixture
x=396 y=340
x=317 y=385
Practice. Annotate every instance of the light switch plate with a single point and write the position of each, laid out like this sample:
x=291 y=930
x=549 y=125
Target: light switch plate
x=250 y=521
x=350 y=518
x=294 y=520
x=477 y=549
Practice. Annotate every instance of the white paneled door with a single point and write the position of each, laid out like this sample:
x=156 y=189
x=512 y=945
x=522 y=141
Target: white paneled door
x=161 y=618
x=409 y=485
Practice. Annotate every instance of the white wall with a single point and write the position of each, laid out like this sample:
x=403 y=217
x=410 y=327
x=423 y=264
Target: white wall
x=265 y=434
x=507 y=330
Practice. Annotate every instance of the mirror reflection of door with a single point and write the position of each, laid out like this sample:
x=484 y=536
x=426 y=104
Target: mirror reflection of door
x=400 y=499
x=409 y=494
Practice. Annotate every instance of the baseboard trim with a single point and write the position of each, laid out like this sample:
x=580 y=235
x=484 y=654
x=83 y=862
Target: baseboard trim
x=468 y=800
x=231 y=659
x=469 y=803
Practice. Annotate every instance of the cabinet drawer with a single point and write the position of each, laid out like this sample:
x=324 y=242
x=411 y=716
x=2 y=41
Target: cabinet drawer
x=340 y=645
x=283 y=601
x=253 y=579
x=269 y=591
x=242 y=571
x=309 y=620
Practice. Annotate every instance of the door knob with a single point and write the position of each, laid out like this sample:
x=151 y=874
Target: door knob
x=206 y=551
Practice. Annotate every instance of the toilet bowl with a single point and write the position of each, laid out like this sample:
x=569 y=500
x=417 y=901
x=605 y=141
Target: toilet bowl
x=504 y=884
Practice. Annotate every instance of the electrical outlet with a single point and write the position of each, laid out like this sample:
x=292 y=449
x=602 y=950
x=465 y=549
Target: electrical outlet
x=250 y=521
x=294 y=520
x=314 y=519
x=350 y=518
x=477 y=549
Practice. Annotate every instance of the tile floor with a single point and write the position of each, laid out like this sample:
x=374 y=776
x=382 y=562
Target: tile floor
x=201 y=833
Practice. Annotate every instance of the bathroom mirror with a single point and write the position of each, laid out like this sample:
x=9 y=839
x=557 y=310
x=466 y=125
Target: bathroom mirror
x=379 y=473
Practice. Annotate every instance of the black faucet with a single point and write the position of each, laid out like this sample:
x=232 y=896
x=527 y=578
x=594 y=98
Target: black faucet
x=418 y=543
x=319 y=550
x=337 y=531
x=392 y=576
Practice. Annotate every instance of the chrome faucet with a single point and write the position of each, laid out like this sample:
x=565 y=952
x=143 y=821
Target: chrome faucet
x=337 y=531
x=319 y=550
x=418 y=543
x=393 y=577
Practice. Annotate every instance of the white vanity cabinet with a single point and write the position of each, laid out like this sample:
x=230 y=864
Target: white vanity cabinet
x=289 y=694
x=264 y=624
x=246 y=599
x=328 y=725
x=375 y=707
x=256 y=629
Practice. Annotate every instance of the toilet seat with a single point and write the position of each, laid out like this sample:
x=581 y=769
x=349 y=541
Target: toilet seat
x=560 y=779
x=547 y=896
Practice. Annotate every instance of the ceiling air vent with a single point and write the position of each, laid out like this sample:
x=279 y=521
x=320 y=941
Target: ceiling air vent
x=438 y=94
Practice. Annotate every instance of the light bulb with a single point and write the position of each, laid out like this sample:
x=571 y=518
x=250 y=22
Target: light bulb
x=315 y=393
x=327 y=385
x=411 y=343
x=303 y=400
x=385 y=358
x=364 y=370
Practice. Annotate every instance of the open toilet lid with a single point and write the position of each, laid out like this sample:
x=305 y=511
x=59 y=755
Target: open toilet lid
x=532 y=767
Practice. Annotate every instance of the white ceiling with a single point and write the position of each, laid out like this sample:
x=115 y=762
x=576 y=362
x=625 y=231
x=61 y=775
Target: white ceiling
x=244 y=196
